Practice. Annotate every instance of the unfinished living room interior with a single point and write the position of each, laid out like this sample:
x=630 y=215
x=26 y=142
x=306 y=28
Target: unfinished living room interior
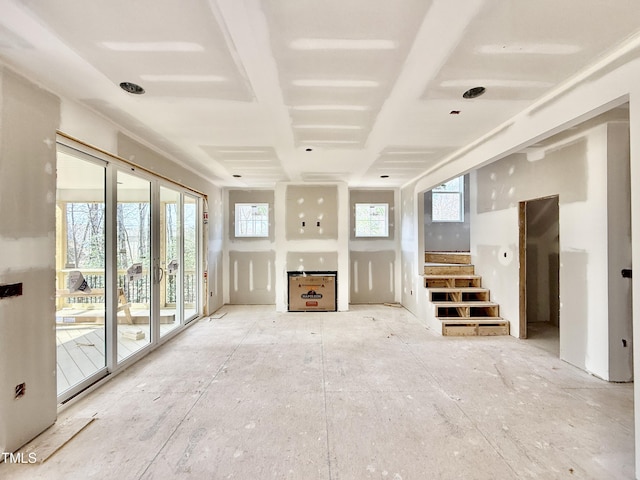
x=319 y=240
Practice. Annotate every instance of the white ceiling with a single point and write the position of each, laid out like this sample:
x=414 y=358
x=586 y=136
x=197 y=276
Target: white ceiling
x=245 y=87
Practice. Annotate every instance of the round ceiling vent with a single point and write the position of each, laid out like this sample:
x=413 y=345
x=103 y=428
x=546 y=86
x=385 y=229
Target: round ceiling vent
x=132 y=88
x=474 y=92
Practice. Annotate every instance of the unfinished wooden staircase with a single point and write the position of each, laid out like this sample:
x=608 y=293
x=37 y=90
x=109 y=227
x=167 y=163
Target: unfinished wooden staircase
x=461 y=305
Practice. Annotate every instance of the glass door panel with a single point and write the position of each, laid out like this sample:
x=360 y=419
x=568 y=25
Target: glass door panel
x=191 y=276
x=133 y=245
x=80 y=271
x=170 y=261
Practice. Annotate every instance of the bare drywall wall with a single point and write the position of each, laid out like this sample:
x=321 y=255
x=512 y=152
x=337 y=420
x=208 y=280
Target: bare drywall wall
x=312 y=261
x=447 y=236
x=619 y=252
x=29 y=118
x=312 y=212
x=250 y=263
x=252 y=278
x=215 y=241
x=576 y=170
x=373 y=276
x=410 y=247
x=373 y=261
x=500 y=185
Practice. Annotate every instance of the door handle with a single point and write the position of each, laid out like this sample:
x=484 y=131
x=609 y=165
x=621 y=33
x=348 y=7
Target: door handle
x=626 y=273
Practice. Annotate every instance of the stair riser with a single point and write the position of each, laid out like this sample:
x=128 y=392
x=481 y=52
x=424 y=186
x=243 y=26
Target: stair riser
x=459 y=296
x=452 y=282
x=501 y=328
x=444 y=312
x=448 y=270
x=436 y=257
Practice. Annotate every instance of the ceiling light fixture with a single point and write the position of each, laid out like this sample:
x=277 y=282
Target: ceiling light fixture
x=474 y=92
x=336 y=83
x=342 y=44
x=133 y=88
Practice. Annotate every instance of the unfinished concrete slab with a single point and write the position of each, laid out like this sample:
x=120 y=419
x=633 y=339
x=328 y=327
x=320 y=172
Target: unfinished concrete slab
x=369 y=393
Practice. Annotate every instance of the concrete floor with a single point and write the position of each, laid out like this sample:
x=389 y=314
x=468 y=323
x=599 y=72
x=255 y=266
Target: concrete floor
x=364 y=394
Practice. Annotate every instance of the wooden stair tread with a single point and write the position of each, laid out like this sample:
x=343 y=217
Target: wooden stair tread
x=443 y=264
x=452 y=276
x=465 y=303
x=457 y=289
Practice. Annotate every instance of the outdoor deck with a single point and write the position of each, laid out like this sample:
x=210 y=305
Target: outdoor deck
x=81 y=346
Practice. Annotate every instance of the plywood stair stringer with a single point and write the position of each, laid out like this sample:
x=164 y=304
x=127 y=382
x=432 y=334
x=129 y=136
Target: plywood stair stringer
x=461 y=305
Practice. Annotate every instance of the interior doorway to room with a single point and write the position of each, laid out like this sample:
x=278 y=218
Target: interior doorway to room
x=540 y=272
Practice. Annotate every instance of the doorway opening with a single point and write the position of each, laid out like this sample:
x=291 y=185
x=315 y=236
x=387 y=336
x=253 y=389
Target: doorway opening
x=540 y=272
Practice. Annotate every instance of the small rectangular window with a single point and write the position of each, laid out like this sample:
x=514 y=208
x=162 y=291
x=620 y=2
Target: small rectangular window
x=447 y=201
x=252 y=220
x=372 y=220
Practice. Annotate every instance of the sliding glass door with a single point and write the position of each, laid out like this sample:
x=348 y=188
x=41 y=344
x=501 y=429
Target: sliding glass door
x=170 y=260
x=80 y=270
x=127 y=264
x=133 y=243
x=190 y=289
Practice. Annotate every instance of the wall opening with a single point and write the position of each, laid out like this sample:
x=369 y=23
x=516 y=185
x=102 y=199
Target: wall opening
x=540 y=272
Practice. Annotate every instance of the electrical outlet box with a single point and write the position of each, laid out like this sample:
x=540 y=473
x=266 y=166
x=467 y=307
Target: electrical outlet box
x=11 y=290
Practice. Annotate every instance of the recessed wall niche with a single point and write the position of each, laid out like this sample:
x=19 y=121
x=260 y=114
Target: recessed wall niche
x=311 y=212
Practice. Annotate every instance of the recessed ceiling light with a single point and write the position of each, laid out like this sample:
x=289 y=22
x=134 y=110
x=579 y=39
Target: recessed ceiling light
x=183 y=78
x=329 y=127
x=153 y=46
x=132 y=88
x=342 y=44
x=346 y=108
x=474 y=92
x=336 y=83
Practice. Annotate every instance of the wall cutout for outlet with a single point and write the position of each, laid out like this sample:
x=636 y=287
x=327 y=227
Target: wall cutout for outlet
x=11 y=290
x=20 y=390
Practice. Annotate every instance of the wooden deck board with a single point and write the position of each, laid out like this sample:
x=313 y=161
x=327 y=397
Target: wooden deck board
x=81 y=347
